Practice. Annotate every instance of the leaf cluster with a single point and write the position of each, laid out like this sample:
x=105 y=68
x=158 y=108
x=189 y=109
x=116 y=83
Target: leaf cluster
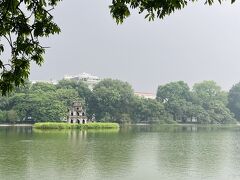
x=22 y=24
x=121 y=9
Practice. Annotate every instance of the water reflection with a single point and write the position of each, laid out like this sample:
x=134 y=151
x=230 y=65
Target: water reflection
x=181 y=128
x=202 y=155
x=14 y=151
x=135 y=152
x=82 y=153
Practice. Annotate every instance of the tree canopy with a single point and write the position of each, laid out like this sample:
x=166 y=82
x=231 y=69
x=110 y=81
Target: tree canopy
x=206 y=102
x=111 y=100
x=115 y=101
x=234 y=100
x=22 y=24
x=121 y=9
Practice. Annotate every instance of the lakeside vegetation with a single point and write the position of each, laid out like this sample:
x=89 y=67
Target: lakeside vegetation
x=60 y=125
x=114 y=101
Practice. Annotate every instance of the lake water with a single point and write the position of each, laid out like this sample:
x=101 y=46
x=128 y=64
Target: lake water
x=133 y=153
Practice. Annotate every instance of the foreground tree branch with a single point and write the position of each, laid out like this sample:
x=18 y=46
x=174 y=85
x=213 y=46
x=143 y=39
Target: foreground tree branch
x=121 y=9
x=22 y=23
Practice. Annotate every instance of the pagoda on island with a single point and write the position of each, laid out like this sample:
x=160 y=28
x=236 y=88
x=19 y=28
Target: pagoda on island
x=76 y=114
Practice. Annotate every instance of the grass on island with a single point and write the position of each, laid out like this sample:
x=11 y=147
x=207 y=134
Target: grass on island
x=60 y=125
x=78 y=131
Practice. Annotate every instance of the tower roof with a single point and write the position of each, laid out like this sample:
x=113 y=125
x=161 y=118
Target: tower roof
x=76 y=103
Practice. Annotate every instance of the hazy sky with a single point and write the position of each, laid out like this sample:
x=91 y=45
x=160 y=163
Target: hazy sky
x=194 y=44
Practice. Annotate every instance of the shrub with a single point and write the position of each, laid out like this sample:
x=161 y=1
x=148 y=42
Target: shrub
x=95 y=125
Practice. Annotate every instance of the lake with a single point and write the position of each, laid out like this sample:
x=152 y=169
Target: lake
x=132 y=153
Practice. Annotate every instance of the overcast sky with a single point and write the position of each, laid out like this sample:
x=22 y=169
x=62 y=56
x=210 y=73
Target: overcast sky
x=194 y=44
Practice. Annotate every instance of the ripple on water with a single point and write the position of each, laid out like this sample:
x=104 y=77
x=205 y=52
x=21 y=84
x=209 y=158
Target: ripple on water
x=165 y=154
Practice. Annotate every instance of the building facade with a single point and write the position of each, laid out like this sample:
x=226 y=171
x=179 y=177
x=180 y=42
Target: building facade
x=89 y=79
x=77 y=114
x=145 y=95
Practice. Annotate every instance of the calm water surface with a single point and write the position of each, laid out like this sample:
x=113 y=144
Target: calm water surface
x=133 y=153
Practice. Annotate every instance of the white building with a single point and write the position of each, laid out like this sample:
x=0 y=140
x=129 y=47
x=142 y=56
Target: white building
x=54 y=82
x=89 y=79
x=145 y=95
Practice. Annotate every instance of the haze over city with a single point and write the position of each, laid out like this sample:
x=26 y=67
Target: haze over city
x=194 y=44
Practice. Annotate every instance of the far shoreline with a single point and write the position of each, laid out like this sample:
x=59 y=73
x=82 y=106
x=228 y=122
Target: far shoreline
x=137 y=124
x=16 y=125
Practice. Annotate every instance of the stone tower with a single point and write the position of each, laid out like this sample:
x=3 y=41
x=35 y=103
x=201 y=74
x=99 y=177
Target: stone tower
x=77 y=114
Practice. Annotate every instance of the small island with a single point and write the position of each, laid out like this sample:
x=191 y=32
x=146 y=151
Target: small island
x=63 y=125
x=76 y=119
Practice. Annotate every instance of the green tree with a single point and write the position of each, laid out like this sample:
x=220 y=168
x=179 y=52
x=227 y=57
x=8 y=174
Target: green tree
x=81 y=87
x=40 y=102
x=4 y=103
x=38 y=106
x=173 y=90
x=208 y=91
x=220 y=114
x=67 y=96
x=84 y=94
x=24 y=88
x=11 y=116
x=176 y=98
x=148 y=111
x=43 y=87
x=234 y=100
x=120 y=9
x=206 y=102
x=111 y=98
x=198 y=112
x=213 y=100
x=23 y=23
x=3 y=116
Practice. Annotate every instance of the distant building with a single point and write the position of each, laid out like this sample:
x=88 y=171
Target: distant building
x=192 y=120
x=54 y=82
x=77 y=114
x=145 y=95
x=89 y=79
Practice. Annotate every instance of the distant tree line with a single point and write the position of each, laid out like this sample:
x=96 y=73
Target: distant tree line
x=114 y=101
